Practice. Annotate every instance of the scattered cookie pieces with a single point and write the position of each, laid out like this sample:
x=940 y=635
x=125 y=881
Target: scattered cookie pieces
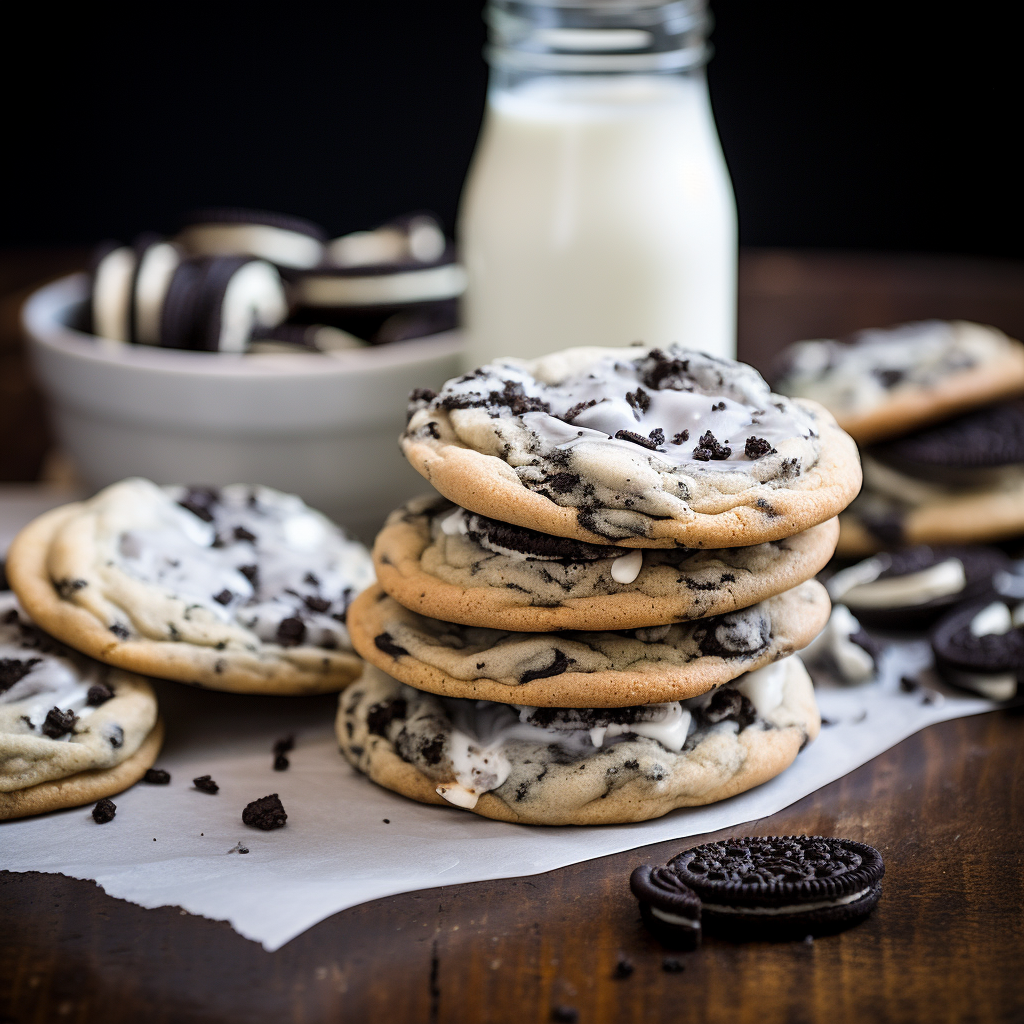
x=266 y=813
x=157 y=777
x=205 y=784
x=104 y=811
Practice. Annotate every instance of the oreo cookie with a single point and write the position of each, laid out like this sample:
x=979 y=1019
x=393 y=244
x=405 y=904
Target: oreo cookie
x=285 y=241
x=156 y=260
x=112 y=272
x=912 y=588
x=781 y=887
x=972 y=450
x=670 y=909
x=415 y=238
x=215 y=304
x=981 y=648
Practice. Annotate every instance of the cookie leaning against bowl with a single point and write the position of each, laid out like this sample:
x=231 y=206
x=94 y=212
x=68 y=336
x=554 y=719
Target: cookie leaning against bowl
x=440 y=560
x=241 y=588
x=638 y=447
x=583 y=668
x=565 y=766
x=884 y=383
x=71 y=730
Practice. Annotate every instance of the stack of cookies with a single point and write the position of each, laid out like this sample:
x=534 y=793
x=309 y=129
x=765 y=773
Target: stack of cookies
x=597 y=619
x=239 y=588
x=938 y=409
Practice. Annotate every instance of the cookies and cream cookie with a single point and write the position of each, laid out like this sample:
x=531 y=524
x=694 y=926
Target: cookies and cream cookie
x=71 y=730
x=238 y=588
x=583 y=668
x=565 y=766
x=441 y=560
x=886 y=382
x=634 y=446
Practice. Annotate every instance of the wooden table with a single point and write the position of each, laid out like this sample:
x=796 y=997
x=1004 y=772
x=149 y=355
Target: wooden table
x=945 y=807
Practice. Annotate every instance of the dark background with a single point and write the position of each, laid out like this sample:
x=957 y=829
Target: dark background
x=872 y=126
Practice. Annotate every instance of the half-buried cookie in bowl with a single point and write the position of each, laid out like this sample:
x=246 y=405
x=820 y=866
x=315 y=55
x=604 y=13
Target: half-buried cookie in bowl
x=571 y=766
x=637 y=447
x=241 y=588
x=71 y=730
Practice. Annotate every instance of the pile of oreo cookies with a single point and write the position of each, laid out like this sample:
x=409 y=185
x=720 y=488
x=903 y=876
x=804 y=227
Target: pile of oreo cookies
x=938 y=409
x=241 y=280
x=242 y=589
x=597 y=619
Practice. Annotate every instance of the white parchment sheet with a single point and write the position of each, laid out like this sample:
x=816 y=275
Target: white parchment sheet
x=169 y=845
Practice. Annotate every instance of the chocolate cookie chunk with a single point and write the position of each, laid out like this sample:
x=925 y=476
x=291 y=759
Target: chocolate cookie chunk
x=781 y=887
x=104 y=811
x=981 y=648
x=910 y=589
x=670 y=909
x=267 y=813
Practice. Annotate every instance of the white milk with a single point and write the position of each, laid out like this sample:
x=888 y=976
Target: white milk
x=598 y=210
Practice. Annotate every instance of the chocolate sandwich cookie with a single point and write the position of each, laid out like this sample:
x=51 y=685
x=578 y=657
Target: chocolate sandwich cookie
x=214 y=304
x=438 y=559
x=290 y=242
x=639 y=447
x=237 y=588
x=670 y=909
x=884 y=383
x=569 y=766
x=156 y=260
x=415 y=238
x=71 y=730
x=911 y=588
x=111 y=273
x=981 y=648
x=781 y=887
x=583 y=668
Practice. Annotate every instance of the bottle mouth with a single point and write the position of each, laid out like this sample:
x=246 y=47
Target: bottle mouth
x=584 y=36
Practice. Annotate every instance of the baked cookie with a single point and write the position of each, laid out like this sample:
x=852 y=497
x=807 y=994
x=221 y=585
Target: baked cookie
x=241 y=588
x=634 y=446
x=564 y=766
x=583 y=668
x=910 y=589
x=781 y=887
x=71 y=730
x=884 y=383
x=981 y=648
x=440 y=560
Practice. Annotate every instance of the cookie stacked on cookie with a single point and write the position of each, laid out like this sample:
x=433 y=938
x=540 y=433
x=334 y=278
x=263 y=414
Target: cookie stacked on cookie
x=594 y=621
x=939 y=411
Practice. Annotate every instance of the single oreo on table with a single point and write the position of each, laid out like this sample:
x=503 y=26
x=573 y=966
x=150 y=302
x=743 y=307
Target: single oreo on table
x=910 y=589
x=670 y=909
x=981 y=648
x=290 y=242
x=215 y=304
x=781 y=887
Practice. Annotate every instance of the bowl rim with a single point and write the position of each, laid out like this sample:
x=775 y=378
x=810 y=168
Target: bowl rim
x=43 y=319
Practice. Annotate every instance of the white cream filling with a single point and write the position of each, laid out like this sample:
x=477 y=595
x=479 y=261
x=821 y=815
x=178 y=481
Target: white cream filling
x=994 y=619
x=111 y=294
x=855 y=665
x=422 y=240
x=626 y=568
x=152 y=281
x=793 y=908
x=429 y=285
x=912 y=491
x=286 y=248
x=994 y=686
x=676 y=919
x=915 y=588
x=254 y=296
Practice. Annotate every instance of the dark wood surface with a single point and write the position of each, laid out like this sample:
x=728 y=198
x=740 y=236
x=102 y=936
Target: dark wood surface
x=945 y=807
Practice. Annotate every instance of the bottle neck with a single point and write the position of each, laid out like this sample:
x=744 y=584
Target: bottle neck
x=533 y=38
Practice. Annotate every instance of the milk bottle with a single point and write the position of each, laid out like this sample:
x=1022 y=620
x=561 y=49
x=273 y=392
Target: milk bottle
x=598 y=209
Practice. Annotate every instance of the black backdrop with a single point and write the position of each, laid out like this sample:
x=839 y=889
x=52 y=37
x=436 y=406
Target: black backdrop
x=886 y=126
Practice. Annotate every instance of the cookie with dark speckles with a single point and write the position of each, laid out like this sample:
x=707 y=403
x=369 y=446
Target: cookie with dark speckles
x=558 y=766
x=580 y=668
x=635 y=447
x=440 y=560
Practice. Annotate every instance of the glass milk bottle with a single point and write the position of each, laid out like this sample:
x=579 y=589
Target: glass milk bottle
x=598 y=208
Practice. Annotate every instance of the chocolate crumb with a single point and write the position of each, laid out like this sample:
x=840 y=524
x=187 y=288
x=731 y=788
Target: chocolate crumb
x=104 y=811
x=241 y=533
x=623 y=969
x=98 y=694
x=252 y=574
x=672 y=965
x=121 y=632
x=291 y=632
x=757 y=448
x=629 y=435
x=708 y=448
x=683 y=435
x=908 y=685
x=266 y=813
x=639 y=399
x=657 y=435
x=422 y=395
x=281 y=763
x=284 y=745
x=58 y=723
x=718 y=407
x=387 y=821
x=157 y=777
x=224 y=597
x=205 y=784
x=565 y=1014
